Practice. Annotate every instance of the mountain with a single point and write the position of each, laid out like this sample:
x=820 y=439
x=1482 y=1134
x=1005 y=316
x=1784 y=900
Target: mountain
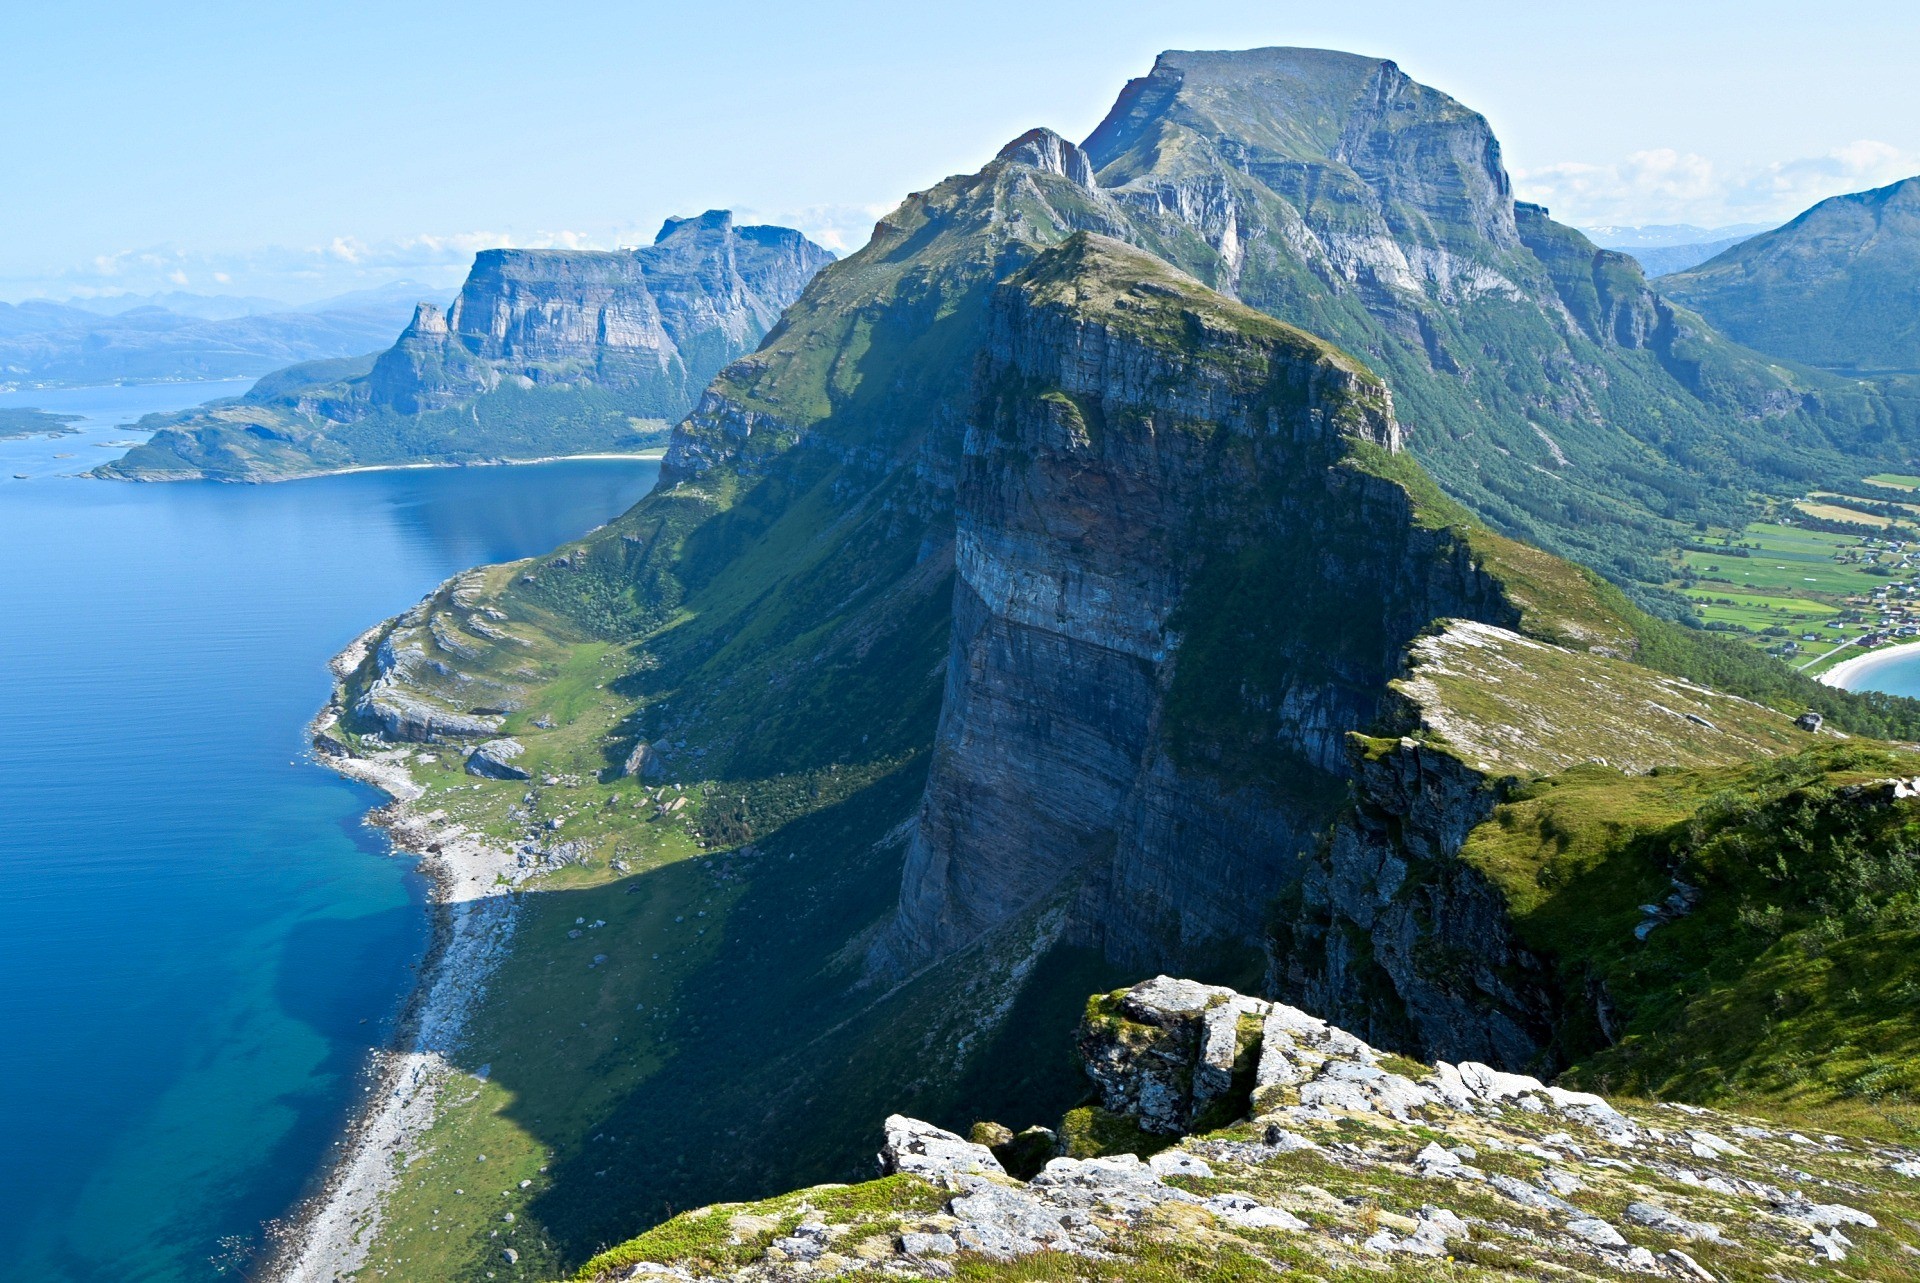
x=1668 y=235
x=204 y=307
x=1661 y=248
x=1548 y=386
x=543 y=352
x=1838 y=287
x=1666 y=259
x=1096 y=573
x=75 y=344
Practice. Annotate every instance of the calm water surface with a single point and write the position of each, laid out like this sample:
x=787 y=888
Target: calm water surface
x=1897 y=674
x=199 y=939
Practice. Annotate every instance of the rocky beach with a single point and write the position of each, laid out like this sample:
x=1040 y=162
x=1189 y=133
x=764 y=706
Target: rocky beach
x=472 y=882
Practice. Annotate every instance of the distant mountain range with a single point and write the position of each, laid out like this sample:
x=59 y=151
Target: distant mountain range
x=1838 y=287
x=1668 y=235
x=1661 y=248
x=544 y=352
x=166 y=337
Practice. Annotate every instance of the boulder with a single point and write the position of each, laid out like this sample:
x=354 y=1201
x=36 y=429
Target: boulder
x=643 y=763
x=494 y=760
x=921 y=1149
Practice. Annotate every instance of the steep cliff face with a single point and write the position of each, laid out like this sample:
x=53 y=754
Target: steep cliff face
x=543 y=352
x=662 y=319
x=1150 y=466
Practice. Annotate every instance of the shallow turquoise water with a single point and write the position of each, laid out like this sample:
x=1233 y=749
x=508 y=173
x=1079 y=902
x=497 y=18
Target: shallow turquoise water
x=200 y=940
x=1896 y=675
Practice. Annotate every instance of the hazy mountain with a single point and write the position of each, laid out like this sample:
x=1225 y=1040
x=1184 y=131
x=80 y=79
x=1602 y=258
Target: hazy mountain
x=543 y=352
x=179 y=336
x=1837 y=287
x=1668 y=235
x=204 y=307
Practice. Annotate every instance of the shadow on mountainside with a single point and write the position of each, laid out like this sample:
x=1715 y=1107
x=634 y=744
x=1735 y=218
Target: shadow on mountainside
x=735 y=1055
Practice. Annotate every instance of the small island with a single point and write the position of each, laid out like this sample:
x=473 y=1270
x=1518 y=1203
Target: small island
x=27 y=422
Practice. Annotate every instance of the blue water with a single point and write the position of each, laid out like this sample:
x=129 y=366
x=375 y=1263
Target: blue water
x=200 y=941
x=1896 y=674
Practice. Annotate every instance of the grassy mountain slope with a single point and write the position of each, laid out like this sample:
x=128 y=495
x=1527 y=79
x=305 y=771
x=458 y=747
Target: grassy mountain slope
x=1838 y=287
x=1790 y=975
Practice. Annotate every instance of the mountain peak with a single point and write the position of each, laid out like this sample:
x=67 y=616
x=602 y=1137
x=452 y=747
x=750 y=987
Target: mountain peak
x=714 y=220
x=1050 y=153
x=1833 y=288
x=427 y=319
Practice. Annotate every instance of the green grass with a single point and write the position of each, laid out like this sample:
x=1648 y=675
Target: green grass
x=1897 y=480
x=1795 y=976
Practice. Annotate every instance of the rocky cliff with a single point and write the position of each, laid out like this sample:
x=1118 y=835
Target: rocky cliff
x=658 y=322
x=1149 y=467
x=1249 y=1139
x=543 y=352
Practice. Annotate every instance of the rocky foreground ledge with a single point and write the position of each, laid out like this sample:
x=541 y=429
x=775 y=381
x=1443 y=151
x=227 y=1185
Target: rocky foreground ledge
x=1237 y=1138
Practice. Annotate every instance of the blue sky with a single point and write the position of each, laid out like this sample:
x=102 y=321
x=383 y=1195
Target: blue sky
x=298 y=149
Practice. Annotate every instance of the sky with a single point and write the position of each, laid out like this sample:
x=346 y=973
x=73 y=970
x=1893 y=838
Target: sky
x=299 y=149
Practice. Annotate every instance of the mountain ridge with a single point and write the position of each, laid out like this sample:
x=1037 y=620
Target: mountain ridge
x=542 y=352
x=1835 y=287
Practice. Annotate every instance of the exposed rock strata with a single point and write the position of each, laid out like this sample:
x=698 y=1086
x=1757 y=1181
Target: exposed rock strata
x=670 y=314
x=1116 y=484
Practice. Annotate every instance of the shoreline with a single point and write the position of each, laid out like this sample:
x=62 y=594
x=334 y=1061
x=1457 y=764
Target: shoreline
x=650 y=453
x=1840 y=673
x=329 y=1233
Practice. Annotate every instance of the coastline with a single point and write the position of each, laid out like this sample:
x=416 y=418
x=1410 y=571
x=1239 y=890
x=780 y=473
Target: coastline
x=1841 y=673
x=651 y=452
x=471 y=883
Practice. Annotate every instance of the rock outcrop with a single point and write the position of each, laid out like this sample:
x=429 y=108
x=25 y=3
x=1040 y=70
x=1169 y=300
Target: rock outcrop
x=495 y=760
x=1340 y=1159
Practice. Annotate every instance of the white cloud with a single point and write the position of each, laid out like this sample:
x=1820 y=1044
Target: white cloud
x=295 y=274
x=300 y=274
x=1667 y=186
x=840 y=228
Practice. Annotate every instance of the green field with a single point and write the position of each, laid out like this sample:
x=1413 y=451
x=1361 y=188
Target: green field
x=1774 y=582
x=1895 y=480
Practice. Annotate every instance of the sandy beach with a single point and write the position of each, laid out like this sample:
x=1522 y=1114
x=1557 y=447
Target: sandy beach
x=1848 y=673
x=471 y=882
